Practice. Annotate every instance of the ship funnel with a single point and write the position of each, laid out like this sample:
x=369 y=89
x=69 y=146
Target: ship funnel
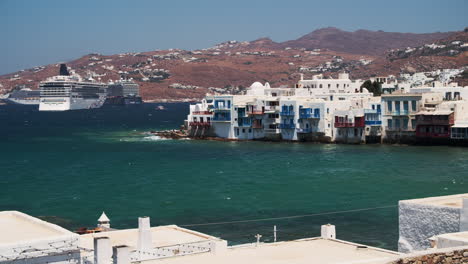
x=64 y=70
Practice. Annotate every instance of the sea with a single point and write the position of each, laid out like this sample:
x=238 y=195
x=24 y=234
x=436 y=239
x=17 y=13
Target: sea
x=69 y=167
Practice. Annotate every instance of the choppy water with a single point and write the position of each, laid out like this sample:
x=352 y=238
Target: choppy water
x=68 y=167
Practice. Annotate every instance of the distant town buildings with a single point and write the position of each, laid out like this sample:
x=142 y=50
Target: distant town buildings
x=338 y=110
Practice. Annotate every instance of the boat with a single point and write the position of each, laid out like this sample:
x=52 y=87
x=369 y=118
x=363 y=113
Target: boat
x=23 y=96
x=123 y=92
x=70 y=92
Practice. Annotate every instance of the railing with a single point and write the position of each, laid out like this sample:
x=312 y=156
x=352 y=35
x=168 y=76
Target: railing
x=401 y=112
x=200 y=124
x=287 y=113
x=244 y=124
x=399 y=129
x=373 y=122
x=344 y=124
x=222 y=108
x=221 y=119
x=304 y=130
x=171 y=251
x=309 y=115
x=272 y=130
x=433 y=135
x=271 y=108
x=257 y=124
x=447 y=122
x=202 y=113
x=372 y=111
x=255 y=112
x=287 y=126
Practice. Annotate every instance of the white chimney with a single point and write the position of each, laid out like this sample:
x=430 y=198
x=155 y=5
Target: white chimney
x=328 y=231
x=121 y=255
x=102 y=250
x=144 y=234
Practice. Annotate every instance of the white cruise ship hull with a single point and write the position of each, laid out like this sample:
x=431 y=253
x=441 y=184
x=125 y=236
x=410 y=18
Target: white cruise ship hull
x=23 y=102
x=64 y=104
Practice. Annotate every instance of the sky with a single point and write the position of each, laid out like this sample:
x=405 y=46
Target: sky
x=37 y=33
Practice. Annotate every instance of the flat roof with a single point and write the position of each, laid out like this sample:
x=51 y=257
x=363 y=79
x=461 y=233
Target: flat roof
x=455 y=201
x=161 y=236
x=19 y=227
x=304 y=251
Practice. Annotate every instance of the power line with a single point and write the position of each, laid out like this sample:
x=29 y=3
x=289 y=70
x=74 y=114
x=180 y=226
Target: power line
x=288 y=217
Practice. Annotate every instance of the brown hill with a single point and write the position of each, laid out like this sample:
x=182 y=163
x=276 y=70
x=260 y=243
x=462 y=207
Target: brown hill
x=361 y=41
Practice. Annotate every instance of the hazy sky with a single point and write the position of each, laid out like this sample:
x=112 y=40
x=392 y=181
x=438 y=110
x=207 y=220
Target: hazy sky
x=41 y=32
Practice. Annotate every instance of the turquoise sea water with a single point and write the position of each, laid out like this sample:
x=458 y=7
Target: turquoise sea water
x=68 y=167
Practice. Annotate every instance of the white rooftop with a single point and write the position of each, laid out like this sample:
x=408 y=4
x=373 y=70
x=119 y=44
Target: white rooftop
x=19 y=227
x=304 y=251
x=161 y=236
x=455 y=201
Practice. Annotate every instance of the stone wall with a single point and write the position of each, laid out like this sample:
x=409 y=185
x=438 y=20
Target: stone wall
x=457 y=256
x=419 y=222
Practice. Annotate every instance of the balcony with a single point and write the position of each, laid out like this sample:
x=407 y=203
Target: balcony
x=399 y=113
x=221 y=119
x=222 y=108
x=309 y=115
x=304 y=130
x=432 y=134
x=287 y=113
x=271 y=109
x=202 y=113
x=399 y=129
x=358 y=122
x=200 y=124
x=272 y=131
x=255 y=112
x=257 y=124
x=373 y=123
x=441 y=120
x=287 y=126
x=372 y=111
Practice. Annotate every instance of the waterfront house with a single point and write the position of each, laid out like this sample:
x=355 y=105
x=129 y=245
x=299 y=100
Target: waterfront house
x=399 y=111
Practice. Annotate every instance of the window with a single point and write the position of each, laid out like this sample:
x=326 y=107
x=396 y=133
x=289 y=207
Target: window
x=389 y=106
x=320 y=86
x=337 y=85
x=390 y=123
x=405 y=123
x=413 y=105
x=243 y=130
x=237 y=132
x=328 y=110
x=405 y=106
x=250 y=130
x=397 y=123
x=329 y=85
x=413 y=123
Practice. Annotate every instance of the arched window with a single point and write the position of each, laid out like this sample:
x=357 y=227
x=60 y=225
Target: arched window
x=320 y=86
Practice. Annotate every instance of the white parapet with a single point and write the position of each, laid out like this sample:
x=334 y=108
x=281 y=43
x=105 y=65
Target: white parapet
x=218 y=246
x=464 y=215
x=121 y=255
x=102 y=250
x=328 y=231
x=144 y=234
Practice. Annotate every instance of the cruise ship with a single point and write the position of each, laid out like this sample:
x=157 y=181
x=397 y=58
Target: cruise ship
x=123 y=92
x=23 y=96
x=70 y=92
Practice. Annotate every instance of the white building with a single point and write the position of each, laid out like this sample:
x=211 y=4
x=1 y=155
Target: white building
x=26 y=239
x=302 y=113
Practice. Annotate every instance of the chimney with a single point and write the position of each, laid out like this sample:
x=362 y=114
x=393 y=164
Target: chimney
x=328 y=231
x=144 y=234
x=102 y=250
x=63 y=70
x=121 y=255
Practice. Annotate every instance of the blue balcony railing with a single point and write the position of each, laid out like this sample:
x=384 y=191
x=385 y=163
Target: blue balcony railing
x=287 y=113
x=287 y=126
x=244 y=122
x=373 y=122
x=221 y=118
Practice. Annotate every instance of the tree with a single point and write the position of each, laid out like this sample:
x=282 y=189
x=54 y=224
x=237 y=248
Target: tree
x=373 y=87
